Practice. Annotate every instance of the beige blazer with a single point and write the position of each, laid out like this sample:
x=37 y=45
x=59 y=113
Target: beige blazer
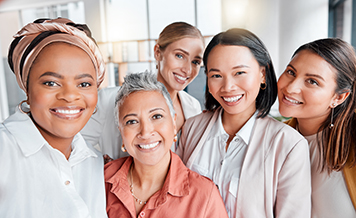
x=275 y=176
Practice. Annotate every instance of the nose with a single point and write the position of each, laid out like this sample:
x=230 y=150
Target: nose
x=187 y=67
x=293 y=86
x=147 y=130
x=69 y=93
x=228 y=84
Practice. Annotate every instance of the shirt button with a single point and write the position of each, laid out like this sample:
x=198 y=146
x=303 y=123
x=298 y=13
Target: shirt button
x=142 y=214
x=67 y=182
x=222 y=162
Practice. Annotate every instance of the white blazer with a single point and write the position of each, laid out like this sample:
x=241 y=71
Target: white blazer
x=275 y=175
x=102 y=130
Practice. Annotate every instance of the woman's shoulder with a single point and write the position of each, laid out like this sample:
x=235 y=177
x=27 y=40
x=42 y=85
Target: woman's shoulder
x=279 y=133
x=111 y=168
x=191 y=106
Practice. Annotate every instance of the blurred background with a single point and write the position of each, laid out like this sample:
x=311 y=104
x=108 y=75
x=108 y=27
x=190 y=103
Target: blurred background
x=126 y=30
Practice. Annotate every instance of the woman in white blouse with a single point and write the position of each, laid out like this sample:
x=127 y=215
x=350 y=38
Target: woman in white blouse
x=178 y=53
x=260 y=165
x=47 y=169
x=318 y=89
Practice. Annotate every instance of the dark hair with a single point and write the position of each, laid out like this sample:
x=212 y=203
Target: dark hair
x=242 y=37
x=337 y=144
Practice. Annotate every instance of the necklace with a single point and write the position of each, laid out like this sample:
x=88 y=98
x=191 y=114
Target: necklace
x=132 y=191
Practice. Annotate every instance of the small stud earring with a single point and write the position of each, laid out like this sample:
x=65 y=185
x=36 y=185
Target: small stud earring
x=175 y=138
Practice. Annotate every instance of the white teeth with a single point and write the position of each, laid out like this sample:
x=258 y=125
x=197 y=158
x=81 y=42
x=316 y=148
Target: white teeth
x=148 y=146
x=232 y=99
x=180 y=78
x=68 y=111
x=292 y=101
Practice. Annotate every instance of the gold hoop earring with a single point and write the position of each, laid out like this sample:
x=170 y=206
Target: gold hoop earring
x=95 y=110
x=263 y=86
x=123 y=148
x=331 y=125
x=20 y=107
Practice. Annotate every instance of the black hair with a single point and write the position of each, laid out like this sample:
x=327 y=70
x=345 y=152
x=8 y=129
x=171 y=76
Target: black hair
x=241 y=37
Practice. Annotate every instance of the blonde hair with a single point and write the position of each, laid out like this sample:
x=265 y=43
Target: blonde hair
x=176 y=31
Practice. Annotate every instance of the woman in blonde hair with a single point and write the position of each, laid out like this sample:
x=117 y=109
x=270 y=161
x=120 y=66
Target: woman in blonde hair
x=318 y=90
x=179 y=54
x=47 y=169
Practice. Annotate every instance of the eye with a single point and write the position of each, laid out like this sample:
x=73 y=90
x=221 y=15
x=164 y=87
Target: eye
x=180 y=56
x=290 y=72
x=215 y=76
x=84 y=84
x=196 y=62
x=240 y=72
x=157 y=116
x=50 y=83
x=131 y=122
x=312 y=82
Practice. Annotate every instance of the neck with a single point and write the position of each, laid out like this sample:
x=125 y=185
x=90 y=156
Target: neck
x=308 y=127
x=232 y=123
x=64 y=145
x=150 y=178
x=172 y=92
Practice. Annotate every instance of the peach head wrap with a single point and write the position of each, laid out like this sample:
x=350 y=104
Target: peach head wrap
x=33 y=37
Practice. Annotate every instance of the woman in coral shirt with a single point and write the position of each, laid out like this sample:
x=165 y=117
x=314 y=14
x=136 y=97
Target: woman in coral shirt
x=153 y=181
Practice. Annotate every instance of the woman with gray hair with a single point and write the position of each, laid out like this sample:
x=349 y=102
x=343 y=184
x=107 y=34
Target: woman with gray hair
x=153 y=181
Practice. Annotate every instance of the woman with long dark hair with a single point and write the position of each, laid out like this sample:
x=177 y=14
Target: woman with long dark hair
x=318 y=89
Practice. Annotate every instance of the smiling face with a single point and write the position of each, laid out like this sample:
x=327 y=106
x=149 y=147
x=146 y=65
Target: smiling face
x=179 y=63
x=234 y=78
x=147 y=128
x=306 y=89
x=62 y=91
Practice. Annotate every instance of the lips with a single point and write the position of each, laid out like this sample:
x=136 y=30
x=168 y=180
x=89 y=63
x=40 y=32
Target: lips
x=148 y=146
x=68 y=113
x=232 y=99
x=291 y=100
x=180 y=78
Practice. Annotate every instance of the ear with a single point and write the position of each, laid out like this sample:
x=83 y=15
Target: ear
x=157 y=52
x=339 y=99
x=263 y=75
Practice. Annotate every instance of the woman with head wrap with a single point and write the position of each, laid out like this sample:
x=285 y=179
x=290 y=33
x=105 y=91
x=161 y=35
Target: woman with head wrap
x=47 y=169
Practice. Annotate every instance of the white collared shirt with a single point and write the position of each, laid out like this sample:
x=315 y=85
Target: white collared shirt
x=222 y=166
x=37 y=180
x=330 y=197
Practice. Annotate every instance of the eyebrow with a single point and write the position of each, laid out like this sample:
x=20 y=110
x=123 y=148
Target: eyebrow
x=52 y=74
x=187 y=53
x=315 y=75
x=236 y=67
x=59 y=76
x=84 y=75
x=135 y=115
x=308 y=74
x=289 y=65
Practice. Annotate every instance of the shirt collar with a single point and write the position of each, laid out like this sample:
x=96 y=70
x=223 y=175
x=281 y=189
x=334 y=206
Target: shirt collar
x=176 y=183
x=244 y=132
x=30 y=140
x=25 y=133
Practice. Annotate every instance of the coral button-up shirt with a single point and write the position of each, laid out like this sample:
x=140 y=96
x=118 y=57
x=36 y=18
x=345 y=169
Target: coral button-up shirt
x=184 y=193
